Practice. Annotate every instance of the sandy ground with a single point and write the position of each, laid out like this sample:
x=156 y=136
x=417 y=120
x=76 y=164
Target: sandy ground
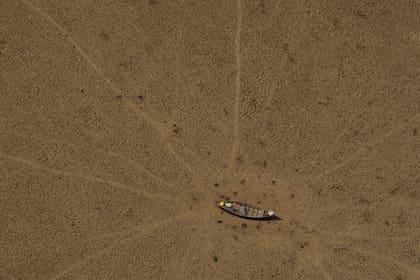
x=122 y=122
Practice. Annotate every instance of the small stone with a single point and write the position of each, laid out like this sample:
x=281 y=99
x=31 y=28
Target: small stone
x=244 y=225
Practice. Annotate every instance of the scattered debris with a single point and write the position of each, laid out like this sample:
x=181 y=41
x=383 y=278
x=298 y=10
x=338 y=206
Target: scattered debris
x=262 y=163
x=129 y=213
x=239 y=160
x=224 y=197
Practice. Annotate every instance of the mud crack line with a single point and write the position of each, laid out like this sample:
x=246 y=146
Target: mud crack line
x=235 y=145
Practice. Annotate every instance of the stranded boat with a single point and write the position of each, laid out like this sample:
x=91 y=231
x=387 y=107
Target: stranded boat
x=245 y=210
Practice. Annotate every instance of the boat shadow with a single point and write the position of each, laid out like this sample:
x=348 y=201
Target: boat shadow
x=261 y=220
x=274 y=218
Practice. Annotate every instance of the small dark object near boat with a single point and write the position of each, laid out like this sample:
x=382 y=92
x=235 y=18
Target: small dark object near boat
x=245 y=210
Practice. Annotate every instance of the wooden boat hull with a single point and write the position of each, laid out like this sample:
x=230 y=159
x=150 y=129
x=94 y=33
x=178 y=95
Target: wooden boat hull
x=245 y=210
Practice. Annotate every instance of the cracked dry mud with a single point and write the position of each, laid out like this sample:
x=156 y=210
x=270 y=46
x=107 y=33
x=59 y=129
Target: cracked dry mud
x=123 y=121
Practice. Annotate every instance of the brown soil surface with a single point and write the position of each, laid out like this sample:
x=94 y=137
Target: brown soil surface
x=122 y=122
